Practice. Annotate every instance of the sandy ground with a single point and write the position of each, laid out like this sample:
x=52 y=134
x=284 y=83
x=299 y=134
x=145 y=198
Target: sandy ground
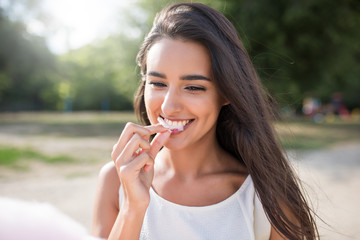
x=331 y=177
x=332 y=180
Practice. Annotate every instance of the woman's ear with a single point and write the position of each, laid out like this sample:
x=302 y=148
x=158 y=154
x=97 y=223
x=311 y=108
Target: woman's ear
x=225 y=102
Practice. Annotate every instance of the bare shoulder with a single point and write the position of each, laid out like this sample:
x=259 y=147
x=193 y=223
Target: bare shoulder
x=106 y=206
x=108 y=174
x=109 y=183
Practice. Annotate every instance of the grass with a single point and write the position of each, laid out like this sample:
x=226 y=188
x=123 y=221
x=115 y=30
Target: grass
x=77 y=125
x=54 y=118
x=13 y=157
x=306 y=135
x=54 y=126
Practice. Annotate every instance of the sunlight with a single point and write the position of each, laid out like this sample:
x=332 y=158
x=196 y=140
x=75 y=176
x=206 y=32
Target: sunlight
x=82 y=21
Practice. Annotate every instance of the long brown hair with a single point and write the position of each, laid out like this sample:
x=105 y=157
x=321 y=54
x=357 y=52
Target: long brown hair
x=244 y=126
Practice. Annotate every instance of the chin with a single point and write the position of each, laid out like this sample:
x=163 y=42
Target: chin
x=173 y=146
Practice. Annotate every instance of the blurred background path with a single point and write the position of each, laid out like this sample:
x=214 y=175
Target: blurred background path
x=332 y=179
x=56 y=158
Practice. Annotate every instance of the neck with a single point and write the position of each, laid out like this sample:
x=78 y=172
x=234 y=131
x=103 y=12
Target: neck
x=193 y=161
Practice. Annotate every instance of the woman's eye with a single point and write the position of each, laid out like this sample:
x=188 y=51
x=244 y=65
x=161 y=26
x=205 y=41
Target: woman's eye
x=195 y=88
x=157 y=84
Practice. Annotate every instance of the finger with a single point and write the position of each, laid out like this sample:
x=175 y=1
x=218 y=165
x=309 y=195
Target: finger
x=127 y=153
x=156 y=128
x=131 y=170
x=144 y=131
x=158 y=142
x=131 y=128
x=143 y=160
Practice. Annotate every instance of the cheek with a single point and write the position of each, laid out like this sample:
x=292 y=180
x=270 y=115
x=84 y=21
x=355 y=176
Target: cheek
x=208 y=104
x=212 y=109
x=152 y=103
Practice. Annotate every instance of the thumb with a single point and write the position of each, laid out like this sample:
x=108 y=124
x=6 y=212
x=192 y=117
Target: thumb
x=158 y=141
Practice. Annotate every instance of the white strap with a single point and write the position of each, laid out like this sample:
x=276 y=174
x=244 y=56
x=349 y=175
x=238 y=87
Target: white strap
x=262 y=226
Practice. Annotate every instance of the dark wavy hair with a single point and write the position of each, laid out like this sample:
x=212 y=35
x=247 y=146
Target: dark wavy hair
x=244 y=126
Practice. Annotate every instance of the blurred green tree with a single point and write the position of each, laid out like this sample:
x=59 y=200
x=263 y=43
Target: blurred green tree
x=27 y=69
x=98 y=76
x=102 y=75
x=298 y=47
x=303 y=47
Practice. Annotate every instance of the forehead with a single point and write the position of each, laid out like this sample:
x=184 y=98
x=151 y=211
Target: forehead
x=176 y=54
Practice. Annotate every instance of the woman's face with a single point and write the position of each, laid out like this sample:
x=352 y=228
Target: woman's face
x=179 y=88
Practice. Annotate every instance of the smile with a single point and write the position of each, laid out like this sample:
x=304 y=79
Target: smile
x=174 y=126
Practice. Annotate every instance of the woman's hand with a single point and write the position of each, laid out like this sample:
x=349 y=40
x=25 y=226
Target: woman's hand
x=134 y=156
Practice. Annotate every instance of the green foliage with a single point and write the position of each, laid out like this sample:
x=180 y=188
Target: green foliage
x=27 y=69
x=102 y=73
x=302 y=47
x=100 y=76
x=298 y=47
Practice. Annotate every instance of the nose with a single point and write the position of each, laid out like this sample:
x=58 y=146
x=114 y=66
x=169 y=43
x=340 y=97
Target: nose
x=172 y=102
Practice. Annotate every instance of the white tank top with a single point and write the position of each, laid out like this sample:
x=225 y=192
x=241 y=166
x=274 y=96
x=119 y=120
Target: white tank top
x=241 y=216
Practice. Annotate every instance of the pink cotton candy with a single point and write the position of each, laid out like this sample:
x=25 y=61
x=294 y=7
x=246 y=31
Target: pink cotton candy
x=33 y=220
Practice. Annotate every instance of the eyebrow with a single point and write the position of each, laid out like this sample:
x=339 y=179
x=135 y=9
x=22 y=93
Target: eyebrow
x=195 y=77
x=156 y=74
x=185 y=77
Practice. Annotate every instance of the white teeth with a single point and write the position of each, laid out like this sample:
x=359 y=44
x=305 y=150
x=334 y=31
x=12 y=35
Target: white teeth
x=172 y=125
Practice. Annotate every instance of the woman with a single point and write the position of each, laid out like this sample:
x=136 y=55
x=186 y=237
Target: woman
x=221 y=174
